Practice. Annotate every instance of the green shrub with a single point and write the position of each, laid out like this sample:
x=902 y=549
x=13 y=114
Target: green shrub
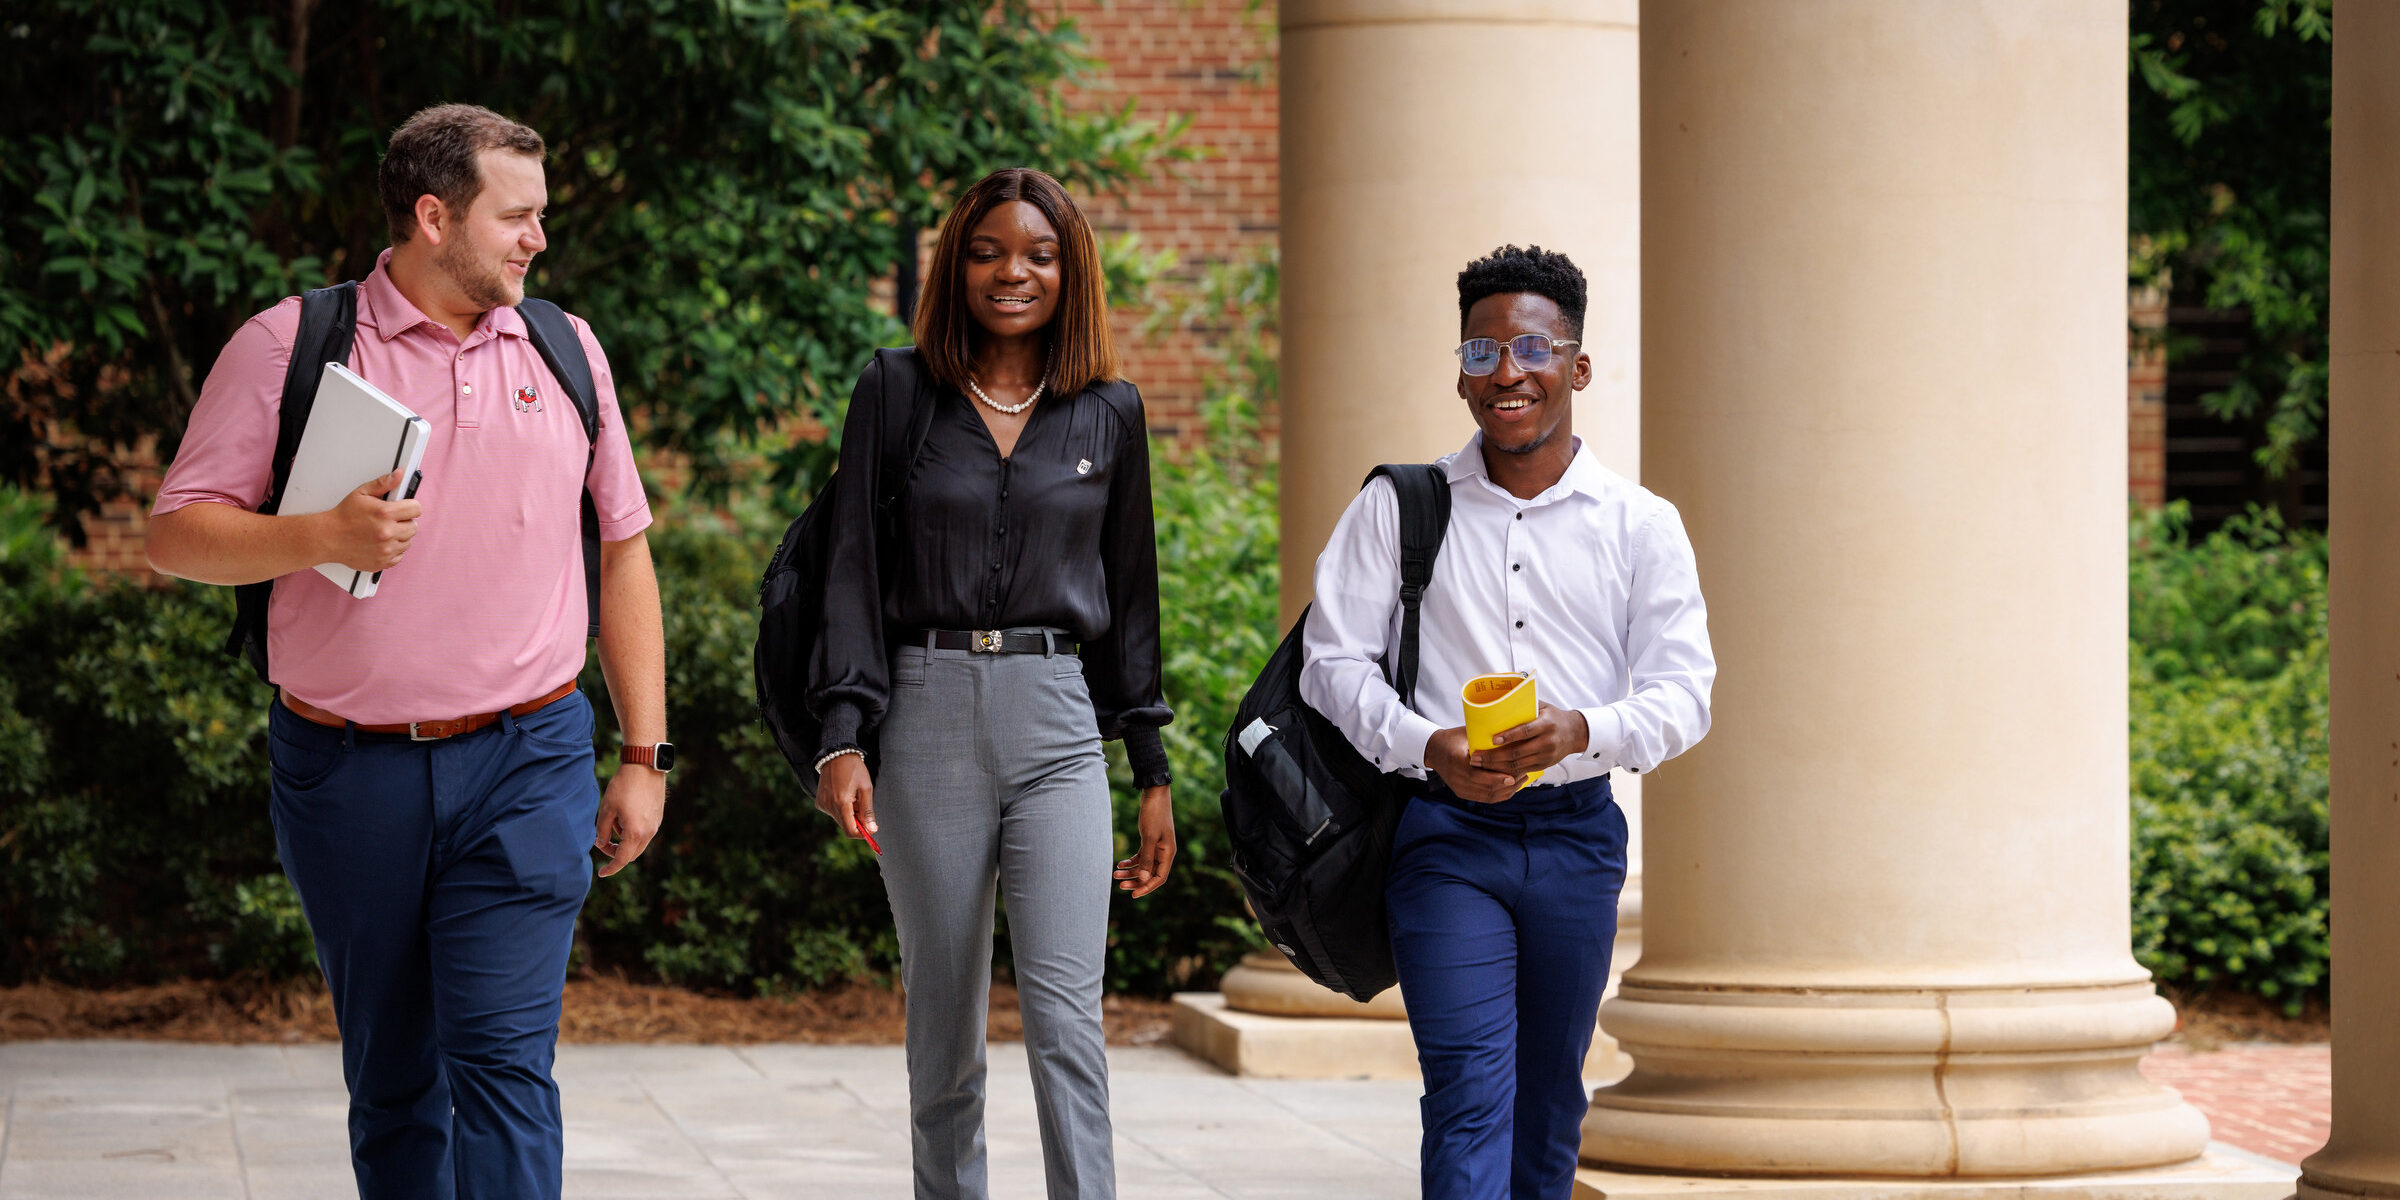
x=134 y=838
x=746 y=887
x=2230 y=766
x=133 y=812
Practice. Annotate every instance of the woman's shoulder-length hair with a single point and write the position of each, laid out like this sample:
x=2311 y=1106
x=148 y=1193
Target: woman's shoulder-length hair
x=1082 y=350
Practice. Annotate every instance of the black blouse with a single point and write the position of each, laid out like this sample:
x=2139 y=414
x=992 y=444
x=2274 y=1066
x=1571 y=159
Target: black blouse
x=1057 y=534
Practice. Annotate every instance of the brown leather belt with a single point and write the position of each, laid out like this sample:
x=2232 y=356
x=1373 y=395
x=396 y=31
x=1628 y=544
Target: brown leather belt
x=426 y=731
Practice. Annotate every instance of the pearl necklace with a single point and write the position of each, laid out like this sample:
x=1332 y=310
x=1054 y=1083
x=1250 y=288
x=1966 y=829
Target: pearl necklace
x=1010 y=409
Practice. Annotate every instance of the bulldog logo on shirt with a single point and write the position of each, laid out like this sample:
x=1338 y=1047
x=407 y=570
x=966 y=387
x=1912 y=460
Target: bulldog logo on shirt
x=528 y=400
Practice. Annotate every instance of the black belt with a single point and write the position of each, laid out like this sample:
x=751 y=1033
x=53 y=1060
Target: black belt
x=993 y=641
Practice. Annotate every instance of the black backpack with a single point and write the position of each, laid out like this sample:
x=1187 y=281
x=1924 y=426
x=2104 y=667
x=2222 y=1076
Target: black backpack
x=328 y=323
x=791 y=595
x=1310 y=819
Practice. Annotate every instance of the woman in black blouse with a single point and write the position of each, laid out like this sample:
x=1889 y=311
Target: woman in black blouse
x=990 y=634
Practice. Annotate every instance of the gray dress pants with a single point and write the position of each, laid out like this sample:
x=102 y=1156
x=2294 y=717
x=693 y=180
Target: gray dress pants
x=991 y=768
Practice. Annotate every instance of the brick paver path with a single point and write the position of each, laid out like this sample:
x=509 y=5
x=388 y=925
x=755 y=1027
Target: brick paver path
x=2270 y=1100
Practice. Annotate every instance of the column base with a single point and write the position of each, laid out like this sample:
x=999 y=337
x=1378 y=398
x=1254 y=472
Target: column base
x=1928 y=1084
x=2371 y=1177
x=2223 y=1173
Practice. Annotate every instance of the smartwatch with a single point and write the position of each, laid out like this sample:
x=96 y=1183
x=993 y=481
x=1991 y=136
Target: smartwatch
x=659 y=757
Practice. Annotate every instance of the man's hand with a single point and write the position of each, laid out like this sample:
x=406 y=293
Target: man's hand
x=845 y=793
x=1447 y=754
x=1147 y=869
x=1491 y=776
x=629 y=816
x=366 y=532
x=1538 y=744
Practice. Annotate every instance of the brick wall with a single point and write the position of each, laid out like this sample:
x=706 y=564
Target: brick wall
x=2146 y=398
x=114 y=539
x=1210 y=61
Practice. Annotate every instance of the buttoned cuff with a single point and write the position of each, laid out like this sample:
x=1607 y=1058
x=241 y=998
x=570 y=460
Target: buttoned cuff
x=1146 y=753
x=1410 y=742
x=1607 y=746
x=840 y=727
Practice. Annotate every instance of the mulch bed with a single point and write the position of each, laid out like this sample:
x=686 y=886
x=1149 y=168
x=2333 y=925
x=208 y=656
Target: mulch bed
x=599 y=1008
x=607 y=1008
x=2207 y=1020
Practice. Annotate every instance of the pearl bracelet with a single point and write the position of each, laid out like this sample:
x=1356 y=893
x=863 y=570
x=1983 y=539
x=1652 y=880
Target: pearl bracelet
x=831 y=755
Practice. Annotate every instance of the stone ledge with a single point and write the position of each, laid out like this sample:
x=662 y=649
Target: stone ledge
x=1272 y=1047
x=1292 y=1047
x=2223 y=1173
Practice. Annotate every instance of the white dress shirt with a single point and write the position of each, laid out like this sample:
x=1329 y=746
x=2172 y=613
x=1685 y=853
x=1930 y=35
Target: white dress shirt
x=1590 y=585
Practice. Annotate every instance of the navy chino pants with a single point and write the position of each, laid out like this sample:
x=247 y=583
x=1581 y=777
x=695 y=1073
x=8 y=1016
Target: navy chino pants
x=442 y=881
x=1502 y=917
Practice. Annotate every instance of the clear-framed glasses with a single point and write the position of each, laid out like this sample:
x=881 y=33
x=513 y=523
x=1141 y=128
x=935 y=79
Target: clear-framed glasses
x=1481 y=356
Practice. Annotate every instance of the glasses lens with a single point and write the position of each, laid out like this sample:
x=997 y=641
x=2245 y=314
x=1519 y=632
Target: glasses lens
x=1532 y=351
x=1479 y=356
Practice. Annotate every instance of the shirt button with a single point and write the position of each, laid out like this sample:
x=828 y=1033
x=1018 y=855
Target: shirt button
x=1520 y=516
x=1516 y=566
x=466 y=389
x=1520 y=624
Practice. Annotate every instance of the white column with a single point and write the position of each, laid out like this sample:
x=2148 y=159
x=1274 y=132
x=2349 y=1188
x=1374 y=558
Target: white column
x=1418 y=136
x=1883 y=290
x=2363 y=1156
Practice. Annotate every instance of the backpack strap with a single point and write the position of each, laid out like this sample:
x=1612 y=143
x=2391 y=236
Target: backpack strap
x=554 y=337
x=328 y=328
x=900 y=459
x=1424 y=495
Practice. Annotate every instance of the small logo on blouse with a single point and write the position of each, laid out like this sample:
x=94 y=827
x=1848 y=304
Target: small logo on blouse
x=1083 y=466
x=528 y=400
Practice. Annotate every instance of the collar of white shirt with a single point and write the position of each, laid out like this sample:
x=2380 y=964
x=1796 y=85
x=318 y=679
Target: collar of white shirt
x=1585 y=476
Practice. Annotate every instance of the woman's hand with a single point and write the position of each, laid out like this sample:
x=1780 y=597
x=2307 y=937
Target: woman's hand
x=846 y=794
x=1155 y=827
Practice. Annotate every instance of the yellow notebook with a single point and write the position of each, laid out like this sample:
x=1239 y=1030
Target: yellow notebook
x=1496 y=704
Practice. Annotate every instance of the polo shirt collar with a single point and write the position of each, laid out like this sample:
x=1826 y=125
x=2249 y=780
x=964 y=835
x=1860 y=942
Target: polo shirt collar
x=1585 y=476
x=383 y=309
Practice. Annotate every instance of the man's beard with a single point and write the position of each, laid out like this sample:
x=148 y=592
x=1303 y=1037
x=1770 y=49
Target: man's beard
x=1528 y=447
x=486 y=289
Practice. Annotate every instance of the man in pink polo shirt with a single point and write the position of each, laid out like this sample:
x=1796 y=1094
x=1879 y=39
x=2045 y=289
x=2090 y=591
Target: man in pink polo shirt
x=433 y=789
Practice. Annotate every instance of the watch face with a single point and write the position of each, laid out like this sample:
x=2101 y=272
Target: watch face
x=665 y=760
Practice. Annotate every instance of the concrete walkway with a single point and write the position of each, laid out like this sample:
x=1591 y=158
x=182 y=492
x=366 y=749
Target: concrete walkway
x=86 y=1120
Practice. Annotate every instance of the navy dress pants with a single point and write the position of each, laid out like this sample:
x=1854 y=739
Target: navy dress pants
x=442 y=880
x=1502 y=919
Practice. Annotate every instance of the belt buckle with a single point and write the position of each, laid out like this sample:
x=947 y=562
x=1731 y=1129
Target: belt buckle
x=414 y=736
x=987 y=641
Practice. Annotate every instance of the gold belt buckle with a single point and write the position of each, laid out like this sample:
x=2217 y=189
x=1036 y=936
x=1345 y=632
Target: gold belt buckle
x=987 y=641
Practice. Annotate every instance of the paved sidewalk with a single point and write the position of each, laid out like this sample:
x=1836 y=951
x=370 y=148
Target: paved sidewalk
x=2275 y=1100
x=90 y=1120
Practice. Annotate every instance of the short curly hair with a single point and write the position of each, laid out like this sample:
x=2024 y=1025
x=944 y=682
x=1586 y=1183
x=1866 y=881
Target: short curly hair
x=1532 y=269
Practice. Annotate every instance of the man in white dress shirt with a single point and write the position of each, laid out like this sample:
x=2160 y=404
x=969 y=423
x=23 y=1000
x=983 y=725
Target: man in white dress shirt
x=1504 y=901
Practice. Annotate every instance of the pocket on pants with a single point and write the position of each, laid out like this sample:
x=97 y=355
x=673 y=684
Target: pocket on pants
x=299 y=762
x=908 y=667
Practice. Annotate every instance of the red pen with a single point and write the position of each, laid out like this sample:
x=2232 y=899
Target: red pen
x=864 y=832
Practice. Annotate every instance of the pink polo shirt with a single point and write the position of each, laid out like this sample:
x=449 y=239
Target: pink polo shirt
x=487 y=609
